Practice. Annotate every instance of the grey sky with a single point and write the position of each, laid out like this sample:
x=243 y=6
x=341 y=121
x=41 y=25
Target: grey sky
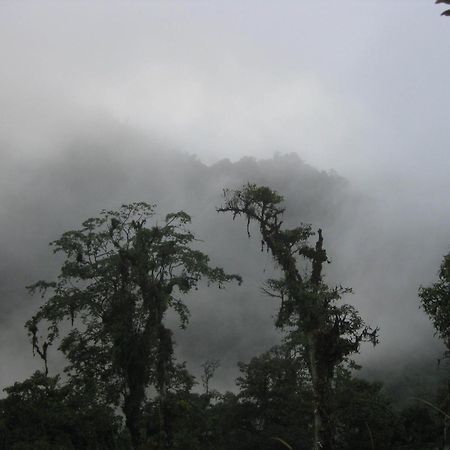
x=358 y=86
x=361 y=87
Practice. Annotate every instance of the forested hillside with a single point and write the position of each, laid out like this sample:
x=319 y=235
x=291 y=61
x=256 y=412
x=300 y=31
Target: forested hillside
x=239 y=378
x=224 y=225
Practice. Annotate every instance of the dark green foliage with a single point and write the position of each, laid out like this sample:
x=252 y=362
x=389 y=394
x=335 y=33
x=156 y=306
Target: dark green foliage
x=121 y=274
x=189 y=417
x=326 y=331
x=275 y=402
x=363 y=414
x=40 y=414
x=435 y=301
x=275 y=394
x=119 y=277
x=422 y=427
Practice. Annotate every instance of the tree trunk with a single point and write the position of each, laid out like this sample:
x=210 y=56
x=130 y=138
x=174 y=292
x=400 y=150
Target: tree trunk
x=321 y=387
x=165 y=349
x=316 y=401
x=132 y=411
x=320 y=370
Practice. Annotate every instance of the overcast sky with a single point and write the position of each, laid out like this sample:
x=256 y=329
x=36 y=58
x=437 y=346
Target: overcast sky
x=357 y=86
x=361 y=87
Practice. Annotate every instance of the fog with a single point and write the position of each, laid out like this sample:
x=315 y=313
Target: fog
x=342 y=108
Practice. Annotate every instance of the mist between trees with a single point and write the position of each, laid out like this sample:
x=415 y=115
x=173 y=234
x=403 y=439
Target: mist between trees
x=125 y=281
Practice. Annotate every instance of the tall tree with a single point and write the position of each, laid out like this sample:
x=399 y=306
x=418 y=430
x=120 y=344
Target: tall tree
x=327 y=330
x=435 y=301
x=119 y=277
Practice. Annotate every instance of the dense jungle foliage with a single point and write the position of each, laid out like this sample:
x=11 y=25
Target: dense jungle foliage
x=123 y=389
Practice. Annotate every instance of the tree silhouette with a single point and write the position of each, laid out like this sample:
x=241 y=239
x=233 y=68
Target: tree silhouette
x=435 y=301
x=119 y=277
x=327 y=331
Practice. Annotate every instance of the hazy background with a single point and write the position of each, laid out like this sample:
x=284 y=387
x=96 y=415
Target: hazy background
x=103 y=103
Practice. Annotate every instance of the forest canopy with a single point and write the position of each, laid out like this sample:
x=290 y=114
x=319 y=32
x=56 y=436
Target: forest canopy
x=123 y=388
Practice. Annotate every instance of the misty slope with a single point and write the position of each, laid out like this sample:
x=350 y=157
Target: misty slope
x=111 y=165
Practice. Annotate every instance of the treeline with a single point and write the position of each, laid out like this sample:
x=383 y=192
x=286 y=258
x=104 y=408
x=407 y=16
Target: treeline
x=122 y=388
